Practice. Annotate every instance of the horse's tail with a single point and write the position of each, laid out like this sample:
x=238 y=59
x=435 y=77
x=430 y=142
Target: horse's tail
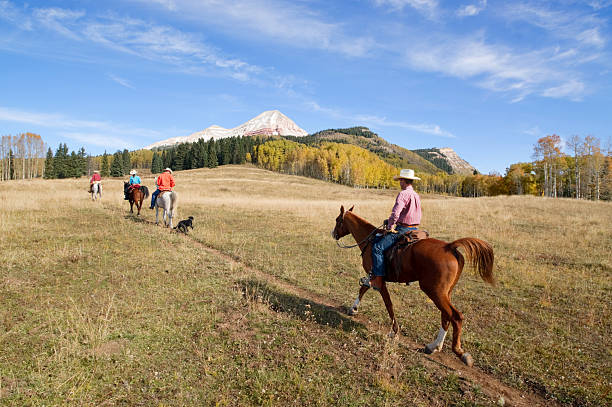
x=479 y=253
x=173 y=202
x=145 y=191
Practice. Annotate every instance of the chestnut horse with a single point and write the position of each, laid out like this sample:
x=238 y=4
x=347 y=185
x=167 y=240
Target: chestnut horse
x=136 y=196
x=435 y=264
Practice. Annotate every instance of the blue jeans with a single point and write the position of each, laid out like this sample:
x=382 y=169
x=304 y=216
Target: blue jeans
x=154 y=197
x=381 y=244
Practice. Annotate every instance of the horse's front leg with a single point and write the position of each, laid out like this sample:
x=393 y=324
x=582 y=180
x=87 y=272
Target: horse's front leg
x=384 y=292
x=365 y=286
x=131 y=206
x=157 y=215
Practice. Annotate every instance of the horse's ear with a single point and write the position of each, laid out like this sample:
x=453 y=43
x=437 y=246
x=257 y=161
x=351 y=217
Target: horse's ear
x=341 y=209
x=351 y=210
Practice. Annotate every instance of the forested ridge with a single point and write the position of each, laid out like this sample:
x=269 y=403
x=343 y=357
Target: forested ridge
x=584 y=172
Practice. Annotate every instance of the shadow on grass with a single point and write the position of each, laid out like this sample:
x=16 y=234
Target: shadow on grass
x=138 y=219
x=301 y=308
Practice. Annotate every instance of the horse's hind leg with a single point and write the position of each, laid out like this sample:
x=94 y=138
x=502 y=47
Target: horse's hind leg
x=355 y=308
x=450 y=313
x=384 y=292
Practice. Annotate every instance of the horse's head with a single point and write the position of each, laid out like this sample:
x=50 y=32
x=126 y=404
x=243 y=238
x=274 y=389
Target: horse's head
x=340 y=230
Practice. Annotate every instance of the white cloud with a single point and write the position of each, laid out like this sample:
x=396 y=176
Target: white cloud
x=427 y=7
x=376 y=121
x=58 y=20
x=100 y=140
x=567 y=24
x=472 y=9
x=121 y=81
x=496 y=68
x=571 y=89
x=285 y=22
x=69 y=125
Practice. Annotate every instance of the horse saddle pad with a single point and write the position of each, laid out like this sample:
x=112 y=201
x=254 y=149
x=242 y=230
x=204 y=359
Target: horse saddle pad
x=407 y=239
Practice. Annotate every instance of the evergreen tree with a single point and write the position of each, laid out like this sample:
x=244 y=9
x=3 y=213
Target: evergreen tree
x=49 y=171
x=116 y=168
x=60 y=161
x=212 y=154
x=82 y=161
x=104 y=167
x=127 y=164
x=156 y=164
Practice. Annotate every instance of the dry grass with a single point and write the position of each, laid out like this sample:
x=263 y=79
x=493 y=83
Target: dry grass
x=97 y=307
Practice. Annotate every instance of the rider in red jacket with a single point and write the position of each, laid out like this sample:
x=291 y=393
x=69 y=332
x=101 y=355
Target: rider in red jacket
x=165 y=182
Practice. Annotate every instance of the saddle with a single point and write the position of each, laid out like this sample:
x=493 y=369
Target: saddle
x=394 y=268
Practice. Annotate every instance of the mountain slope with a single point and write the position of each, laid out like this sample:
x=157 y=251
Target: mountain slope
x=367 y=139
x=268 y=123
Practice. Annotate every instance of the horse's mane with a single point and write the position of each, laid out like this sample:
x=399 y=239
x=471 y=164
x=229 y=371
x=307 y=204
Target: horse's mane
x=360 y=220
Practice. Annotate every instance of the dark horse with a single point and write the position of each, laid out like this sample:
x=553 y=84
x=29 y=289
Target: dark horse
x=136 y=196
x=435 y=264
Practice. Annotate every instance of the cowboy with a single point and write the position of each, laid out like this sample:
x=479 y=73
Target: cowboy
x=134 y=180
x=165 y=182
x=95 y=179
x=405 y=216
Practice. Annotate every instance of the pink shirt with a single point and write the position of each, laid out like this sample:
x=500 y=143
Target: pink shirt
x=407 y=208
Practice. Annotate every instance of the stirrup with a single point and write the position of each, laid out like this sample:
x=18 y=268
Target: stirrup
x=365 y=282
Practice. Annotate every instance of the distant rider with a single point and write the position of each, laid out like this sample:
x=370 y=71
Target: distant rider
x=405 y=215
x=165 y=182
x=95 y=179
x=134 y=180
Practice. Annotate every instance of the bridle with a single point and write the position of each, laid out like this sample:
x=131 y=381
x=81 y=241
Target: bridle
x=368 y=238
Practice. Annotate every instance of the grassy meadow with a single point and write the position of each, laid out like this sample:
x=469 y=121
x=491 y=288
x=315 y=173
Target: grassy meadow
x=98 y=307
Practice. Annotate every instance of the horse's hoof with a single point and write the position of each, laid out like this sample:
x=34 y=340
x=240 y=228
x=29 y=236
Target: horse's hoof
x=352 y=312
x=467 y=359
x=391 y=335
x=429 y=349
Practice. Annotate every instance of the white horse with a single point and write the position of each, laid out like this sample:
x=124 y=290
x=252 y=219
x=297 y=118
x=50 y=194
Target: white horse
x=96 y=189
x=168 y=202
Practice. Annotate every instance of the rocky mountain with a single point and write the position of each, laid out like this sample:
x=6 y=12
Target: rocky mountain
x=446 y=159
x=274 y=123
x=269 y=123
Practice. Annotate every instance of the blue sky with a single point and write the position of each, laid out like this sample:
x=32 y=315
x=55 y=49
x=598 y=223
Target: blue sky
x=486 y=78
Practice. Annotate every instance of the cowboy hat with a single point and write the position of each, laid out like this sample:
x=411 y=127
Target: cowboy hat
x=97 y=171
x=168 y=169
x=133 y=172
x=406 y=174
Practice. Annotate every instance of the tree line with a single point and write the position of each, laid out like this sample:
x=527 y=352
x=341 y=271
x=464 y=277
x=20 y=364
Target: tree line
x=21 y=156
x=584 y=173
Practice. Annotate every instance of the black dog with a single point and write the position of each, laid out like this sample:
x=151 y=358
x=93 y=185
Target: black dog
x=184 y=225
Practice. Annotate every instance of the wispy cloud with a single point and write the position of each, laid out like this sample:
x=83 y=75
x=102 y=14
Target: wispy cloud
x=426 y=7
x=100 y=140
x=567 y=24
x=121 y=81
x=67 y=125
x=377 y=121
x=135 y=37
x=496 y=67
x=285 y=22
x=471 y=9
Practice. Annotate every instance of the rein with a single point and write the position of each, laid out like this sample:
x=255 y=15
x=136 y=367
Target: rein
x=367 y=238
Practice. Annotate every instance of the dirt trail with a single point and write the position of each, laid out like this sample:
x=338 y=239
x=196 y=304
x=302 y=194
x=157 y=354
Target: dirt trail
x=439 y=361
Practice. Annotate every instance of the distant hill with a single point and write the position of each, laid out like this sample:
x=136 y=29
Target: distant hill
x=363 y=137
x=269 y=123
